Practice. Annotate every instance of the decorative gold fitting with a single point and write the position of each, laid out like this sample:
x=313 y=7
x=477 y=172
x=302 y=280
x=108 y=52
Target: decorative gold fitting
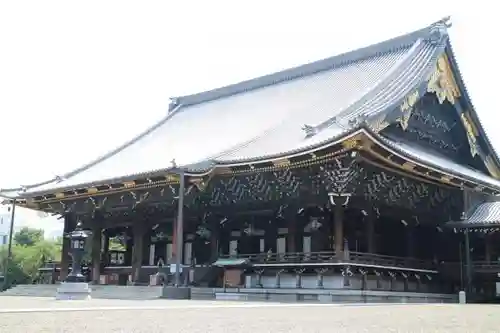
x=408 y=166
x=92 y=190
x=129 y=184
x=351 y=143
x=442 y=81
x=446 y=179
x=284 y=162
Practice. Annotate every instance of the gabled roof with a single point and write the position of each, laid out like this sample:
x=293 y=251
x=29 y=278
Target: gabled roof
x=279 y=114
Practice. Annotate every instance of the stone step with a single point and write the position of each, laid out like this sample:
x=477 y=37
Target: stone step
x=202 y=293
x=104 y=292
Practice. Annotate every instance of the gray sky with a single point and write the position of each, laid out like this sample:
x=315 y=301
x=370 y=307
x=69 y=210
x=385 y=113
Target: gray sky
x=78 y=79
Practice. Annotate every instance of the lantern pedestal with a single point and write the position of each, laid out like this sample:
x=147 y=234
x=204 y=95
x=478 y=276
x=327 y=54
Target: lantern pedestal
x=75 y=286
x=73 y=291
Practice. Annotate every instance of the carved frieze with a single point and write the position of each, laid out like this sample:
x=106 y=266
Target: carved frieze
x=261 y=186
x=342 y=175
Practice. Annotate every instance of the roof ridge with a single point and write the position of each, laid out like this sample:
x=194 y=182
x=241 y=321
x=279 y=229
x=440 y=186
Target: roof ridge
x=342 y=59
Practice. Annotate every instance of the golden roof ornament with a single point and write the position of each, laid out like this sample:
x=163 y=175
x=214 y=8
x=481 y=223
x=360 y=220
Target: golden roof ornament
x=442 y=81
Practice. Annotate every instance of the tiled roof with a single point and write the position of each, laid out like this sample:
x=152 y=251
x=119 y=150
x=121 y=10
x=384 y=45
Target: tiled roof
x=439 y=162
x=266 y=116
x=486 y=214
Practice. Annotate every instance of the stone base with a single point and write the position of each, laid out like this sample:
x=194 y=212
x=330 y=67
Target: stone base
x=319 y=295
x=73 y=291
x=170 y=292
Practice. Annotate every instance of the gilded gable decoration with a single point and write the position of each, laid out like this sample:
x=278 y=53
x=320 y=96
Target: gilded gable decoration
x=379 y=123
x=406 y=108
x=442 y=82
x=492 y=167
x=472 y=133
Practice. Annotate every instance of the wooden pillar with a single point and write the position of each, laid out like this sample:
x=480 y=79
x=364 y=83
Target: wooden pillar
x=370 y=233
x=96 y=250
x=338 y=218
x=487 y=247
x=139 y=231
x=270 y=237
x=214 y=244
x=105 y=247
x=69 y=225
x=291 y=241
x=129 y=245
x=174 y=242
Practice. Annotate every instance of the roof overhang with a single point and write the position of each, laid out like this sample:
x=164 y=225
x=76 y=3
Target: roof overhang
x=373 y=149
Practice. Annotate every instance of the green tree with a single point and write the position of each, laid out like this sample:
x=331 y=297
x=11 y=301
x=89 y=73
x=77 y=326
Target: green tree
x=28 y=236
x=30 y=252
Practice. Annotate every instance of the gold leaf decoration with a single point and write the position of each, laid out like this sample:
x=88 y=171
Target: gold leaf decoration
x=471 y=131
x=350 y=143
x=442 y=81
x=281 y=162
x=406 y=108
x=408 y=166
x=92 y=190
x=492 y=167
x=446 y=179
x=379 y=123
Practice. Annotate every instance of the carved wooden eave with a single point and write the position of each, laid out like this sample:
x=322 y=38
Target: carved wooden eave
x=370 y=147
x=390 y=157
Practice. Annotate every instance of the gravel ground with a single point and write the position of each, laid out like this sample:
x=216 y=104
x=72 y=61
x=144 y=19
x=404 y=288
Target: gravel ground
x=47 y=315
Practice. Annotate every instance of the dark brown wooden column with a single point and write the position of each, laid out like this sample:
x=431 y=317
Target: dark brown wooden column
x=96 y=250
x=105 y=247
x=139 y=232
x=291 y=240
x=214 y=243
x=69 y=225
x=338 y=217
x=487 y=247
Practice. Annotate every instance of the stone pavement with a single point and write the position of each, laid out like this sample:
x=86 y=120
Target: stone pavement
x=21 y=314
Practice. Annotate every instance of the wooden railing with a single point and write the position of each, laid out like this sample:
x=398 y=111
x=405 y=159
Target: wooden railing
x=384 y=260
x=486 y=265
x=330 y=257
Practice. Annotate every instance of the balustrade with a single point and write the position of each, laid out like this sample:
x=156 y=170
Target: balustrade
x=329 y=257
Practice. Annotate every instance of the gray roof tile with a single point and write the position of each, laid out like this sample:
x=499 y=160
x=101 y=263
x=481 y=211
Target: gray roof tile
x=311 y=100
x=265 y=116
x=440 y=162
x=486 y=214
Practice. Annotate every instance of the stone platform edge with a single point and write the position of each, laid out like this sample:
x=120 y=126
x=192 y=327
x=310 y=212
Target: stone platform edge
x=321 y=295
